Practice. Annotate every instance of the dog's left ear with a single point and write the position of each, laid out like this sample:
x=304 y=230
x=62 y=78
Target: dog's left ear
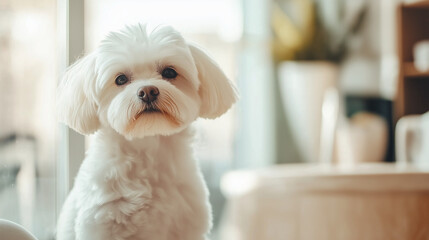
x=216 y=91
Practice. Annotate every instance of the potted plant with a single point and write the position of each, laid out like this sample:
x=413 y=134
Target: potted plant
x=310 y=39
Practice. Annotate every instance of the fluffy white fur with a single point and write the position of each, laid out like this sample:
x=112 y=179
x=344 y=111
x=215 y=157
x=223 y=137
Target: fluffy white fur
x=139 y=179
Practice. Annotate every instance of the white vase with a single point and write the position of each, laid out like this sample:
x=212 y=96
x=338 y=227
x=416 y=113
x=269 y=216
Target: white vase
x=303 y=85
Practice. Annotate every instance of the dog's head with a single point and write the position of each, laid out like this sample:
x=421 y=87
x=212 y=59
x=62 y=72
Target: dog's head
x=143 y=83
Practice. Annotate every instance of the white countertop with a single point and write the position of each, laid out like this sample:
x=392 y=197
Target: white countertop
x=316 y=177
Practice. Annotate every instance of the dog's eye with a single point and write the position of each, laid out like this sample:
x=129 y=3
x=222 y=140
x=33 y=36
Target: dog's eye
x=121 y=80
x=169 y=73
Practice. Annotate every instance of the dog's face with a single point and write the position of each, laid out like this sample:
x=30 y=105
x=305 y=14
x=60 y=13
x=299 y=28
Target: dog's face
x=143 y=83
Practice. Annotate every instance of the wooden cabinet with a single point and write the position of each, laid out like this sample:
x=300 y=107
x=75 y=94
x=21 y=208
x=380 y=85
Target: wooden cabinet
x=413 y=85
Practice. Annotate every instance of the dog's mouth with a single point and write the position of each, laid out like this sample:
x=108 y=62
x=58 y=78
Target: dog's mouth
x=147 y=110
x=151 y=109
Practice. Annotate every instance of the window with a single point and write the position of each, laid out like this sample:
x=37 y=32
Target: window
x=28 y=77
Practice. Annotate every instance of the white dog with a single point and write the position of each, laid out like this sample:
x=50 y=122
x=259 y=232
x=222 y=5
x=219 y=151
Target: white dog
x=139 y=91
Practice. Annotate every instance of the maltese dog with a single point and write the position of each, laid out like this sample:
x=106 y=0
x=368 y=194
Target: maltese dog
x=139 y=92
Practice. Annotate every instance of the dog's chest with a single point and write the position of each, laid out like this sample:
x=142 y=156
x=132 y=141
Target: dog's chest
x=158 y=191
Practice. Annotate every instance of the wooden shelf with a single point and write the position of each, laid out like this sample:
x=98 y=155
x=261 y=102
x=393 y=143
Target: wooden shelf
x=411 y=71
x=416 y=4
x=413 y=85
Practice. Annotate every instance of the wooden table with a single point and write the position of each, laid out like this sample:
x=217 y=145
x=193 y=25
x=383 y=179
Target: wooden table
x=317 y=202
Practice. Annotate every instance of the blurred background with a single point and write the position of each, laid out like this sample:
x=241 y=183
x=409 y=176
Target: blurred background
x=322 y=86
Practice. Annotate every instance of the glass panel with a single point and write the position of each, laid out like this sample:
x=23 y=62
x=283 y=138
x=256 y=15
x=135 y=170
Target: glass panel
x=27 y=136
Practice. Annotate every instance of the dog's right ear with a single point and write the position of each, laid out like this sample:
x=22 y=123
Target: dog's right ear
x=76 y=104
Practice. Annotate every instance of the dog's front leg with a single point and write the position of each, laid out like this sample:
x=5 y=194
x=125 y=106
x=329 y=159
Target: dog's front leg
x=108 y=221
x=66 y=222
x=88 y=229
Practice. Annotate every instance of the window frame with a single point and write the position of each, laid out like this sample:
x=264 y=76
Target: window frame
x=71 y=42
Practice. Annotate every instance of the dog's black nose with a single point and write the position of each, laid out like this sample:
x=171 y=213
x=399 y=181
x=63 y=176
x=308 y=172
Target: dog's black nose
x=148 y=94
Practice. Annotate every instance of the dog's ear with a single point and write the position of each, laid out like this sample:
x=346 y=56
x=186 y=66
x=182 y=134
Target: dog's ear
x=216 y=91
x=76 y=104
